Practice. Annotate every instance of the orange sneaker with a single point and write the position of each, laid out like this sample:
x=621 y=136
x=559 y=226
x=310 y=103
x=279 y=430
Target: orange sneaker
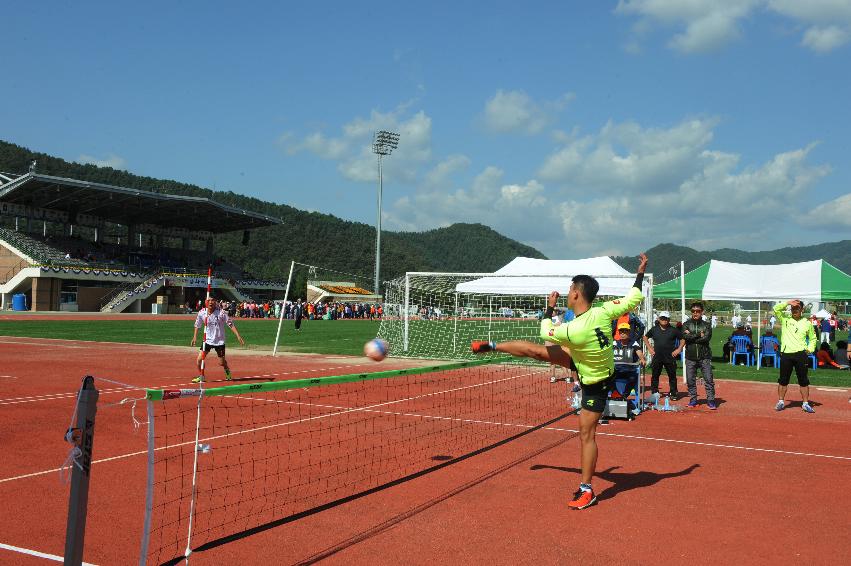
x=482 y=346
x=582 y=499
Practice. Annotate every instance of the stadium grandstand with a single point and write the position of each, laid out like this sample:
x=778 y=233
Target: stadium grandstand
x=73 y=245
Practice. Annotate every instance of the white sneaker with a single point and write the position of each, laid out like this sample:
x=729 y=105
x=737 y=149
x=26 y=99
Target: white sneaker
x=779 y=406
x=807 y=408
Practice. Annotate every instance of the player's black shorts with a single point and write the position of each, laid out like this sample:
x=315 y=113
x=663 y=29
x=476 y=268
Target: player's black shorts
x=595 y=395
x=797 y=360
x=220 y=350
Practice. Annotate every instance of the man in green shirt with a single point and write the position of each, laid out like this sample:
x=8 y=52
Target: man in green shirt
x=583 y=344
x=797 y=341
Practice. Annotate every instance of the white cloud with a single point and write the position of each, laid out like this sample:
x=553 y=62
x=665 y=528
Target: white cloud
x=111 y=160
x=516 y=112
x=353 y=147
x=824 y=39
x=439 y=175
x=628 y=157
x=520 y=210
x=628 y=188
x=707 y=25
x=835 y=214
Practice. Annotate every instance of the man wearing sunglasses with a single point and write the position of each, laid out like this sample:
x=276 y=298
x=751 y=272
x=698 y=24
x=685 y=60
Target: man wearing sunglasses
x=697 y=334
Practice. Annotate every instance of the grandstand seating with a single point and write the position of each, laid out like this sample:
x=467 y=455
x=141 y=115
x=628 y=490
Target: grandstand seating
x=38 y=250
x=85 y=253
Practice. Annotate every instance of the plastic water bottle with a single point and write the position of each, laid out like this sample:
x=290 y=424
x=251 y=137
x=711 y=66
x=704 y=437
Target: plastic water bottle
x=577 y=400
x=204 y=448
x=667 y=404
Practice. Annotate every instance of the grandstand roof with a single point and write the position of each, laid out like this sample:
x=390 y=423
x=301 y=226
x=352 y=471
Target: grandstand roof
x=127 y=206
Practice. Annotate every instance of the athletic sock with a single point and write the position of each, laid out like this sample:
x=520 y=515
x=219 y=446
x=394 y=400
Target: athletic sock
x=585 y=487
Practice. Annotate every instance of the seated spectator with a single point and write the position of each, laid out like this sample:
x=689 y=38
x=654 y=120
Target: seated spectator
x=825 y=357
x=843 y=352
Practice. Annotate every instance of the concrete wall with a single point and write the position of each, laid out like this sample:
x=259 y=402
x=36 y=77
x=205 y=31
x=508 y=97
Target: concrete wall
x=90 y=298
x=10 y=264
x=45 y=293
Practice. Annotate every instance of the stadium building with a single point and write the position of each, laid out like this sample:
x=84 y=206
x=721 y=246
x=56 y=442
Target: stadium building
x=73 y=245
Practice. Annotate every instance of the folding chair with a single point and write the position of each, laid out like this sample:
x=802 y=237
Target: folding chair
x=740 y=348
x=768 y=349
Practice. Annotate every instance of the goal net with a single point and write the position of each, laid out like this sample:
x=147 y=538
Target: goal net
x=437 y=315
x=317 y=292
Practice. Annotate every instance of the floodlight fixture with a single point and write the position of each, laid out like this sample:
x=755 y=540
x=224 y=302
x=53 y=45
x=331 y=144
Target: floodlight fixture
x=383 y=144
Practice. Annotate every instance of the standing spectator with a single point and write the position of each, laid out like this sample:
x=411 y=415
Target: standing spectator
x=833 y=326
x=697 y=335
x=797 y=340
x=298 y=313
x=825 y=331
x=667 y=345
x=772 y=321
x=714 y=320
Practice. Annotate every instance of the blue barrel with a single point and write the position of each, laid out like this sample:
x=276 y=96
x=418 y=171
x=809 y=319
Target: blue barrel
x=19 y=302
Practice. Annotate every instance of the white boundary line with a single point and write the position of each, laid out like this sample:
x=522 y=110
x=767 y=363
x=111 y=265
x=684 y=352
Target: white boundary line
x=36 y=553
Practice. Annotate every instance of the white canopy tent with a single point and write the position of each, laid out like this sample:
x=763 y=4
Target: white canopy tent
x=530 y=276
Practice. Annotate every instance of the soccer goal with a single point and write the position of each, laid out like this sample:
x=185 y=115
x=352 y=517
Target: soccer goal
x=316 y=292
x=437 y=315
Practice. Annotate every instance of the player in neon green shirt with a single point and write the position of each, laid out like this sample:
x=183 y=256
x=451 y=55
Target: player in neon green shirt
x=583 y=344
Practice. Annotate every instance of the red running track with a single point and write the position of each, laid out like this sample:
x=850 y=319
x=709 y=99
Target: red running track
x=743 y=484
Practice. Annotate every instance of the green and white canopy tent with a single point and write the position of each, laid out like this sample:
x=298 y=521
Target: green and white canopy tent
x=812 y=281
x=720 y=280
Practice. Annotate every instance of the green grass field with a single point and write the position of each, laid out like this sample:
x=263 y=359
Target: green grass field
x=335 y=337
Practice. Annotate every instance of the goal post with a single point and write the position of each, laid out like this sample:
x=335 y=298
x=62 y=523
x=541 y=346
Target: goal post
x=322 y=292
x=436 y=315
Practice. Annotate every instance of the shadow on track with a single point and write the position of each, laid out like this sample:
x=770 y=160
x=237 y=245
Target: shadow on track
x=622 y=481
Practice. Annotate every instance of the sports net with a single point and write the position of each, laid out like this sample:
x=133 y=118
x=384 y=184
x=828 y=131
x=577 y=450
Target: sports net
x=437 y=315
x=224 y=461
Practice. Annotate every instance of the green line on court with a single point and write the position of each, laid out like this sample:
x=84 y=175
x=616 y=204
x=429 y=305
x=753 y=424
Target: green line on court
x=166 y=394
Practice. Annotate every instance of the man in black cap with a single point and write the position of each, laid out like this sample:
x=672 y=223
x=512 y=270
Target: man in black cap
x=667 y=345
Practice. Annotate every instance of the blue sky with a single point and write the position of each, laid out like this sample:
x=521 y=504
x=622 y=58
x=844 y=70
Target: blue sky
x=581 y=128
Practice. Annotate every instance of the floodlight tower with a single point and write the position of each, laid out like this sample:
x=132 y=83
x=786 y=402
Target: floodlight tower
x=383 y=144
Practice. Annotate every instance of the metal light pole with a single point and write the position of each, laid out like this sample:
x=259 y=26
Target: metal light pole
x=383 y=144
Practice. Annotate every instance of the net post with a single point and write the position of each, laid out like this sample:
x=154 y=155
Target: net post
x=283 y=309
x=455 y=326
x=149 y=488
x=80 y=471
x=188 y=550
x=405 y=310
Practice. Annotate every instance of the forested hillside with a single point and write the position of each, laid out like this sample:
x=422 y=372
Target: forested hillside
x=664 y=256
x=307 y=237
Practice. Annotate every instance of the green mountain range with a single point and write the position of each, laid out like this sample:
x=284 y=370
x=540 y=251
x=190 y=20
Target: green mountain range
x=663 y=257
x=325 y=240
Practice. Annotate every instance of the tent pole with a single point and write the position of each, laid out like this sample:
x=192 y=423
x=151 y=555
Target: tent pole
x=683 y=311
x=758 y=334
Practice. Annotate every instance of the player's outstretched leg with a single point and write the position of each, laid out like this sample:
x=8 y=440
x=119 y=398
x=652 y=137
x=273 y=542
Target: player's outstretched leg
x=551 y=353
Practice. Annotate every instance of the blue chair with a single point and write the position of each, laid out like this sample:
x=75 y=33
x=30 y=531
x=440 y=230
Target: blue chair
x=814 y=360
x=769 y=348
x=741 y=347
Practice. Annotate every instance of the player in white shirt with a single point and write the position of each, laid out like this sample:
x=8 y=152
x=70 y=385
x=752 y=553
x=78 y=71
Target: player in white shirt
x=213 y=320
